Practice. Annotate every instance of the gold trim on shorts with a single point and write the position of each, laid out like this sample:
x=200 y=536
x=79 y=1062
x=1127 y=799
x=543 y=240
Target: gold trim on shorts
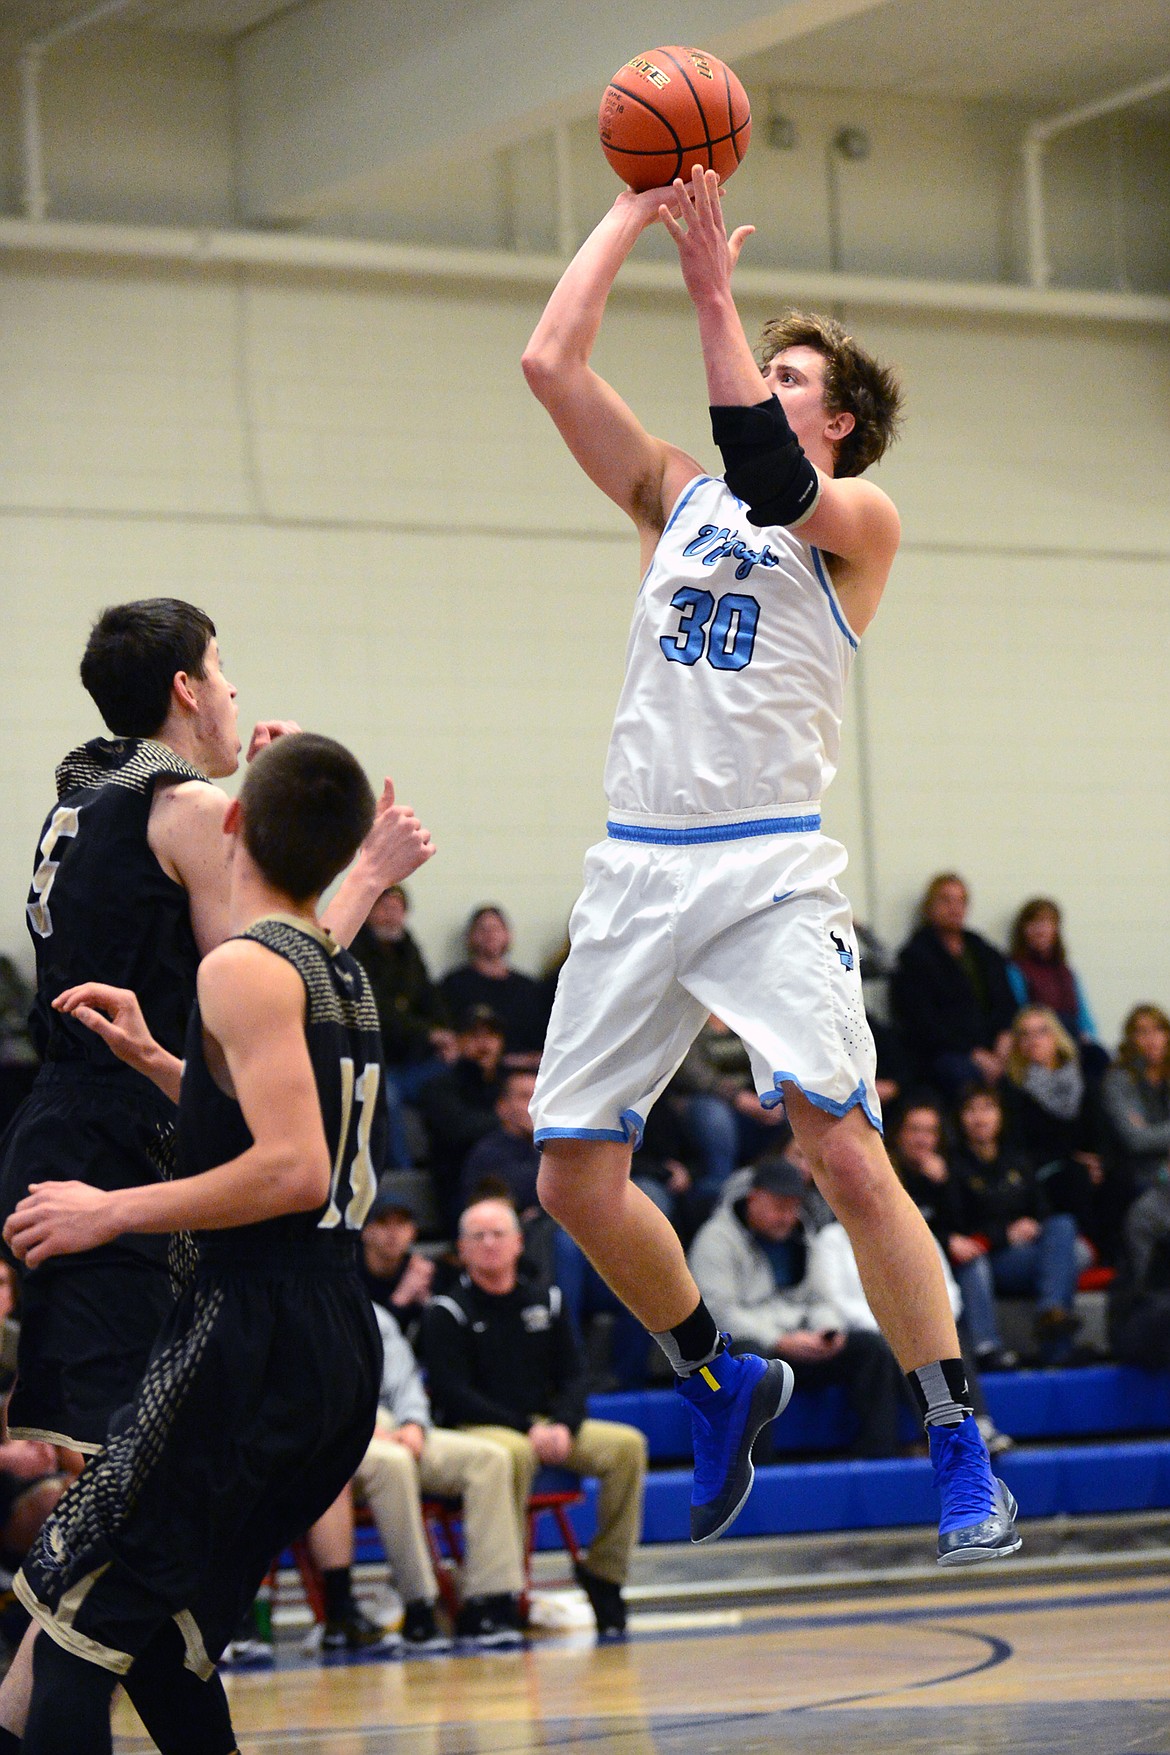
x=61 y=1438
x=59 y=1626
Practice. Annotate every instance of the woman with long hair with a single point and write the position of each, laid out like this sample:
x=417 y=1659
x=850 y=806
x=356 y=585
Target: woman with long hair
x=1052 y=1114
x=1040 y=974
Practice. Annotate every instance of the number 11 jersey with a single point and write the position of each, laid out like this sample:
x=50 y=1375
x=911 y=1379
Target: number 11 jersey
x=345 y=1048
x=736 y=667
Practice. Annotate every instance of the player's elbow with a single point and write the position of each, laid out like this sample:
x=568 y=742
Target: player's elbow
x=539 y=366
x=304 y=1178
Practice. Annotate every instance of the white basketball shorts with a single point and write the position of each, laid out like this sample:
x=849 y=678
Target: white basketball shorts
x=754 y=930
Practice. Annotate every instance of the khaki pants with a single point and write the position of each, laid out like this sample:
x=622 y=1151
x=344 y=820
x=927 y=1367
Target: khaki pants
x=455 y=1465
x=617 y=1456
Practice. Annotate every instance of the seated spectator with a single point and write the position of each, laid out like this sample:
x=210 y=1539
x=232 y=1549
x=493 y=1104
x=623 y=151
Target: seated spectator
x=458 y=1105
x=1040 y=976
x=951 y=994
x=751 y=1263
x=488 y=979
x=1022 y=1248
x=397 y=1277
x=721 y=1111
x=347 y=1628
x=916 y=1151
x=1052 y=1114
x=504 y=1363
x=1135 y=1097
x=1139 y=1300
x=507 y=1155
x=409 y=1457
x=416 y=1030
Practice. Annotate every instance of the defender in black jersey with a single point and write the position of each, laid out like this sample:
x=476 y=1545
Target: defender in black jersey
x=260 y=1398
x=129 y=888
x=101 y=907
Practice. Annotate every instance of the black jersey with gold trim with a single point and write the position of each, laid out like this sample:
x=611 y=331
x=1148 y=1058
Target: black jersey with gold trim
x=101 y=907
x=345 y=1048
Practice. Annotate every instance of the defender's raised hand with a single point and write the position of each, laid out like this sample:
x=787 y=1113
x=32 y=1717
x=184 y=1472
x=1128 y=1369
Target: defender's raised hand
x=397 y=844
x=706 y=253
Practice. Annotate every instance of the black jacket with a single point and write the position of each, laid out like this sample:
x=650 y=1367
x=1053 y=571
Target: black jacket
x=941 y=1010
x=409 y=1005
x=503 y=1359
x=993 y=1196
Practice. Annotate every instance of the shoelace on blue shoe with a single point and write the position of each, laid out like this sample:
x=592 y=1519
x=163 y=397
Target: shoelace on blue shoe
x=962 y=1475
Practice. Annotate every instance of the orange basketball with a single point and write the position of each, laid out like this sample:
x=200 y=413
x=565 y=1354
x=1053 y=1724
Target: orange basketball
x=669 y=110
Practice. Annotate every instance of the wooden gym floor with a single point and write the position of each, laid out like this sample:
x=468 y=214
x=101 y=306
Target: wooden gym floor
x=1023 y=1667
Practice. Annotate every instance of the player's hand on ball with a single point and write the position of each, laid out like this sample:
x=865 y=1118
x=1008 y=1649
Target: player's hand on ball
x=397 y=844
x=706 y=252
x=267 y=731
x=114 y=1014
x=647 y=204
x=59 y=1218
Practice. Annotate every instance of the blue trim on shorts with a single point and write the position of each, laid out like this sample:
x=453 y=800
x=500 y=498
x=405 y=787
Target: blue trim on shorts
x=829 y=593
x=715 y=832
x=630 y=1132
x=855 y=1100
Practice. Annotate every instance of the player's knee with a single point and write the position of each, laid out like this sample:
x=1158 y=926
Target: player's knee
x=855 y=1171
x=579 y=1177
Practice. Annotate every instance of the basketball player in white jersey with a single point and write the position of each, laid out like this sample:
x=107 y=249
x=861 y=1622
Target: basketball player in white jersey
x=715 y=890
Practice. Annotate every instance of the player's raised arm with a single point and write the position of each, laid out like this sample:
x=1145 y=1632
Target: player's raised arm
x=396 y=846
x=778 y=438
x=641 y=474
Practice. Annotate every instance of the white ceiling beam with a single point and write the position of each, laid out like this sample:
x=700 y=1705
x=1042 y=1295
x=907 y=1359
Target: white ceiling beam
x=337 y=98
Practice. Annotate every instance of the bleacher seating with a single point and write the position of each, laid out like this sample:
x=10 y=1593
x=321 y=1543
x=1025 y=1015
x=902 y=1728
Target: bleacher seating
x=1044 y=1410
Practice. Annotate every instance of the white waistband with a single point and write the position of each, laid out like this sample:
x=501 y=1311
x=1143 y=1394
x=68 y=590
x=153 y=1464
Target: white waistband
x=635 y=819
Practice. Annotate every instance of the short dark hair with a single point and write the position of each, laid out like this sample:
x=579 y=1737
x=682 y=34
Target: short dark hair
x=855 y=383
x=133 y=654
x=307 y=807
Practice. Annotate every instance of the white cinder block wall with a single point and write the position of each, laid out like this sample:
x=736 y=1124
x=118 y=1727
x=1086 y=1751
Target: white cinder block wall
x=352 y=478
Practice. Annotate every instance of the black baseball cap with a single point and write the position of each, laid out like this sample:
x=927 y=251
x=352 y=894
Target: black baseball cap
x=480 y=1017
x=779 y=1176
x=392 y=1198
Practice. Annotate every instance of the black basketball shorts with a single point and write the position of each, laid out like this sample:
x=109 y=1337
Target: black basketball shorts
x=257 y=1408
x=87 y=1322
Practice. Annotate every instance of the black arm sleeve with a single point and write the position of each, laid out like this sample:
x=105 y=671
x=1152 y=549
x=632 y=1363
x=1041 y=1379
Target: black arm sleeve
x=764 y=464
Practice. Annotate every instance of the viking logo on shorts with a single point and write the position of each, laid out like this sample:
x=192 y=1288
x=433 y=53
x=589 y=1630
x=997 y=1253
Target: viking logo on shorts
x=843 y=951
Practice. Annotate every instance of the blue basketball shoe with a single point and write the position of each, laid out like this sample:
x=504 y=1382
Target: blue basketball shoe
x=978 y=1519
x=731 y=1401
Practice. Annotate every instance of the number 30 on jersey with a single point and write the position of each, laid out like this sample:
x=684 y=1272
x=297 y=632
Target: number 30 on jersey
x=732 y=638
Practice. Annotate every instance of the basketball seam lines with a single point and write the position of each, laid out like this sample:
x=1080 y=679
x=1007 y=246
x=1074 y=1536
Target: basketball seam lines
x=731 y=117
x=679 y=148
x=699 y=107
x=664 y=151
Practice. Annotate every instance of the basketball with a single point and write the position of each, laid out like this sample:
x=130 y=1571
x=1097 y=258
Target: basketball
x=671 y=109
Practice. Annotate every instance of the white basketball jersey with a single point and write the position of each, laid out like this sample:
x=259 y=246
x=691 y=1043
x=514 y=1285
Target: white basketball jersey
x=735 y=673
